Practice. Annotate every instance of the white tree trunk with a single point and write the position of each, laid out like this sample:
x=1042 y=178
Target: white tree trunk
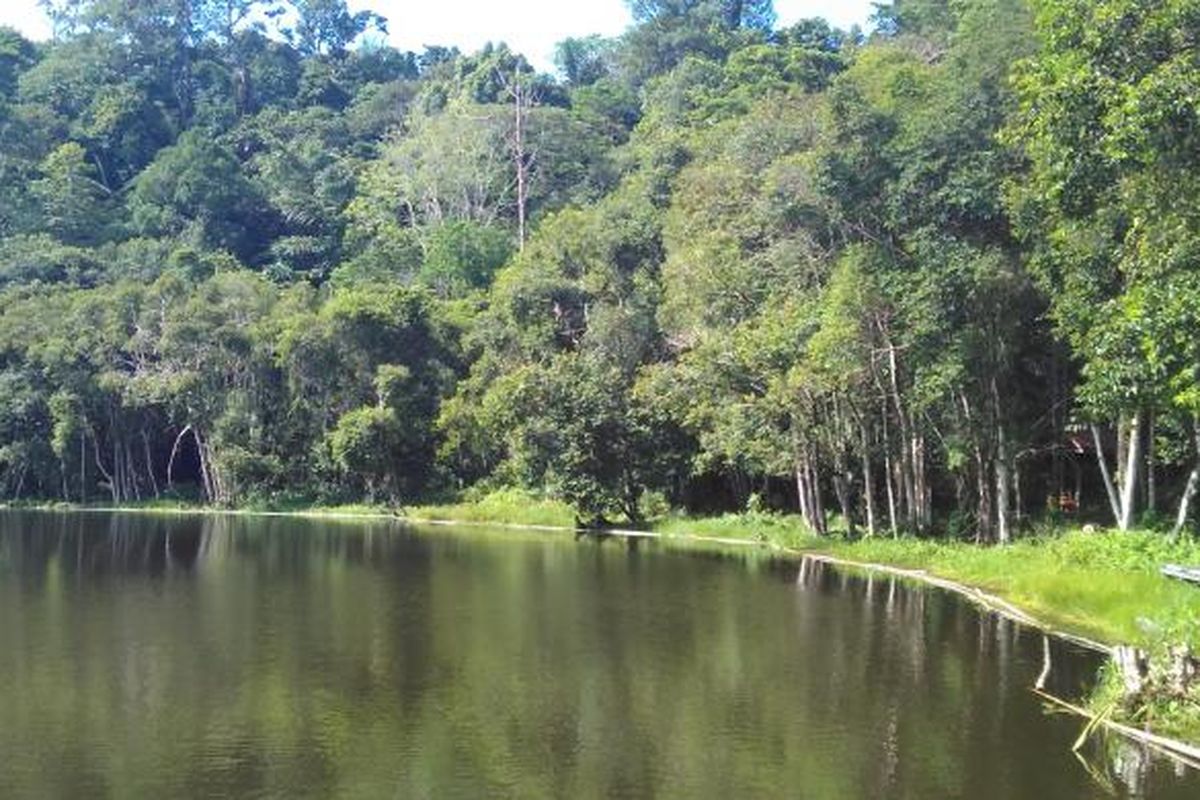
x=1185 y=503
x=1003 y=487
x=868 y=481
x=1113 y=499
x=1129 y=492
x=1189 y=491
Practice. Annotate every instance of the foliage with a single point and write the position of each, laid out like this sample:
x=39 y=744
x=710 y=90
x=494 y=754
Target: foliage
x=878 y=280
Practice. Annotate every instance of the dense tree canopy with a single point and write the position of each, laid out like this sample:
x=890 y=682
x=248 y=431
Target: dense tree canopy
x=937 y=278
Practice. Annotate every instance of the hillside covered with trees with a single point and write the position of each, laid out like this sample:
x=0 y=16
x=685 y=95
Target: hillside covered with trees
x=939 y=277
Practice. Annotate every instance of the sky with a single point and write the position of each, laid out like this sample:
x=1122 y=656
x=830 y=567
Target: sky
x=531 y=27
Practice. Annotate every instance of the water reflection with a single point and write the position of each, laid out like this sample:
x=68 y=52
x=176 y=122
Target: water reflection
x=269 y=657
x=1001 y=658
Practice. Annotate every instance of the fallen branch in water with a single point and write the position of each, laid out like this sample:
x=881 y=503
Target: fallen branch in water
x=1178 y=751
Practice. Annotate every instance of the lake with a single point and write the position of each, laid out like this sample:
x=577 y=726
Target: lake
x=270 y=657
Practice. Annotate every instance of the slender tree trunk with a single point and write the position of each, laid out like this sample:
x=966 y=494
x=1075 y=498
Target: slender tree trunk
x=150 y=464
x=133 y=476
x=118 y=493
x=887 y=474
x=1113 y=499
x=205 y=475
x=1185 y=503
x=868 y=480
x=1189 y=491
x=924 y=492
x=1003 y=488
x=1018 y=495
x=100 y=466
x=802 y=496
x=1129 y=493
x=1122 y=452
x=82 y=466
x=984 y=510
x=1151 y=477
x=841 y=487
x=174 y=452
x=904 y=464
x=818 y=501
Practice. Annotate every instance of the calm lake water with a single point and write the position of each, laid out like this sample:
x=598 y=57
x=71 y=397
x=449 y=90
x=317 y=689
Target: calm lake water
x=174 y=657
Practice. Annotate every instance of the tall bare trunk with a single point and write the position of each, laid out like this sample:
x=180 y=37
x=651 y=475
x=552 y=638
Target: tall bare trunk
x=904 y=464
x=816 y=503
x=1132 y=465
x=112 y=486
x=984 y=531
x=802 y=496
x=82 y=466
x=1113 y=499
x=841 y=487
x=888 y=476
x=1003 y=488
x=1151 y=476
x=921 y=487
x=1185 y=503
x=149 y=464
x=868 y=480
x=1189 y=491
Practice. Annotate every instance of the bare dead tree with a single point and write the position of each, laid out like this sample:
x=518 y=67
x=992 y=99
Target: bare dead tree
x=524 y=99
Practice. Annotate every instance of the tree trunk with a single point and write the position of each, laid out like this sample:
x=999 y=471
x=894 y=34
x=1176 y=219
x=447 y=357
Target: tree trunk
x=1129 y=493
x=1185 y=503
x=868 y=481
x=1113 y=499
x=100 y=466
x=887 y=472
x=1151 y=477
x=984 y=510
x=174 y=452
x=841 y=487
x=816 y=506
x=924 y=492
x=802 y=496
x=150 y=464
x=1189 y=491
x=83 y=465
x=1003 y=489
x=904 y=463
x=1018 y=495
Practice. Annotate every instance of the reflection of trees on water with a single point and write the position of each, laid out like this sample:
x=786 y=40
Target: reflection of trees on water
x=926 y=628
x=284 y=657
x=151 y=544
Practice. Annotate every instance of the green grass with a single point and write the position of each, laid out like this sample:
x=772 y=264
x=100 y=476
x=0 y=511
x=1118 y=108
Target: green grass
x=1104 y=586
x=502 y=507
x=777 y=530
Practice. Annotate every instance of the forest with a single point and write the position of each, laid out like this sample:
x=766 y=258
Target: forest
x=934 y=277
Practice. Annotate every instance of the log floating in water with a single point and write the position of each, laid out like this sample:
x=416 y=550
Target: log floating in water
x=1179 y=573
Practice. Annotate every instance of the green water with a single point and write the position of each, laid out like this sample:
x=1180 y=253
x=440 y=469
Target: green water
x=215 y=657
